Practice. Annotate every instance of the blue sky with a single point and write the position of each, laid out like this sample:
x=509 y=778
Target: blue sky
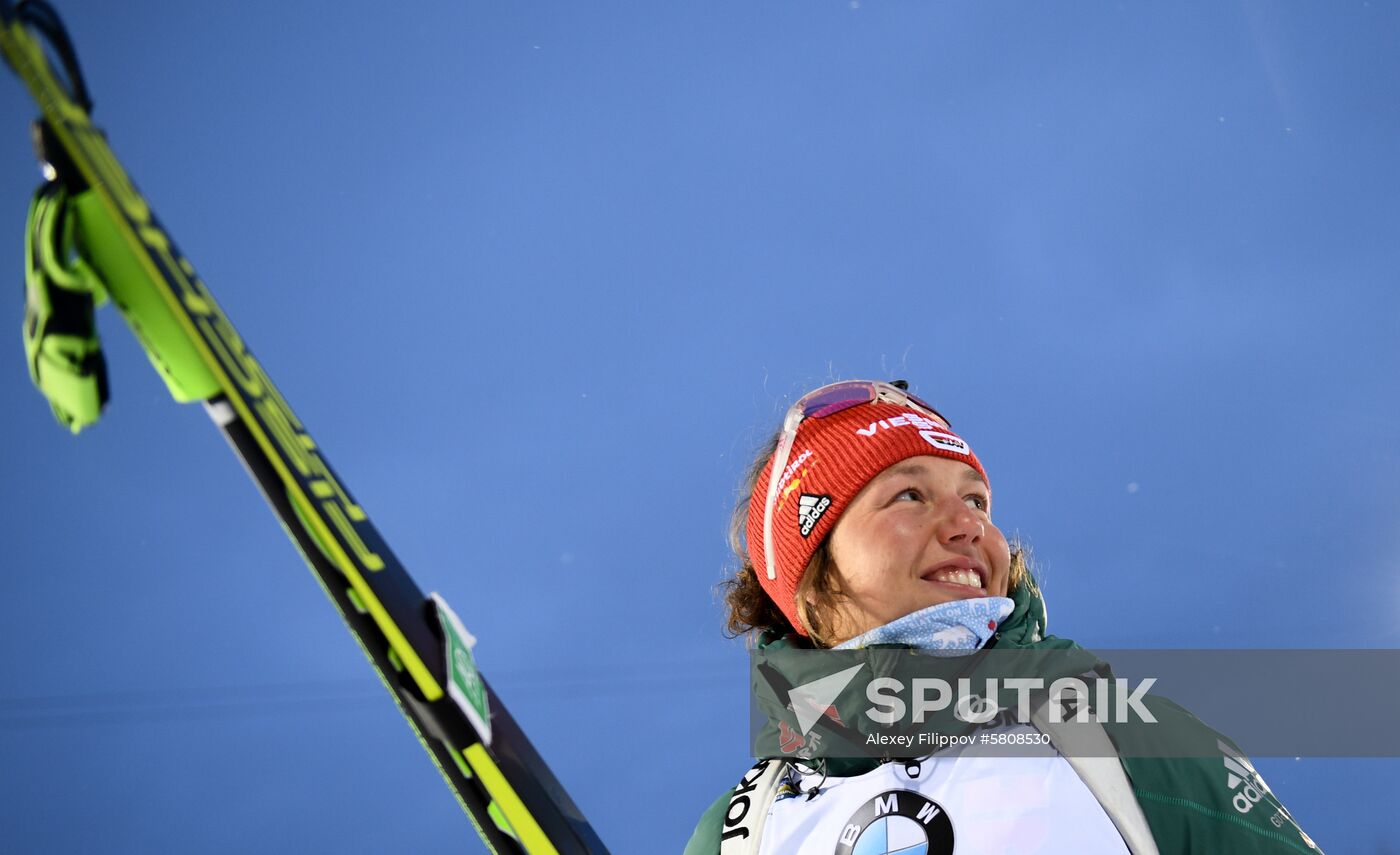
x=540 y=277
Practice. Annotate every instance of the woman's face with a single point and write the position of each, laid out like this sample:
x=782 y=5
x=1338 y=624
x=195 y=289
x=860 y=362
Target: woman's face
x=919 y=534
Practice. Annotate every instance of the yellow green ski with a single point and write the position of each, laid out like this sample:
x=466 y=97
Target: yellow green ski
x=93 y=237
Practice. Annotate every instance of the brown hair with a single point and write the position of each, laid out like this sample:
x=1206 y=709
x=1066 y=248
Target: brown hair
x=818 y=594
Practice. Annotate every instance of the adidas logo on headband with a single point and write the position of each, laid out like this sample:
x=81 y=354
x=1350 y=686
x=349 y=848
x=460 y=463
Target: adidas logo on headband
x=810 y=509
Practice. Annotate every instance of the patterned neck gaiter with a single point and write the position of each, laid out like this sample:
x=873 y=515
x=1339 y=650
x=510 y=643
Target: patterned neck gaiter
x=960 y=626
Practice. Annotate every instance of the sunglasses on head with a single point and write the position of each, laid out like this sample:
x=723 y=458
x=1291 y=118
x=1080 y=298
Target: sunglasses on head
x=818 y=404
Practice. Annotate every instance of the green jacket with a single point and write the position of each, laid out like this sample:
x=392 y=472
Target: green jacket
x=1190 y=804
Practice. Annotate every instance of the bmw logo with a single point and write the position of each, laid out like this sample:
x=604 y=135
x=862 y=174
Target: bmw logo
x=897 y=822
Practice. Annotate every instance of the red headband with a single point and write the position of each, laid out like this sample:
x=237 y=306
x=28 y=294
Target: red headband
x=832 y=459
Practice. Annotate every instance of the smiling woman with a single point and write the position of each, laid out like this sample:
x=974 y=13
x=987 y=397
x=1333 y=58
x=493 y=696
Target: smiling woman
x=918 y=535
x=877 y=531
x=879 y=520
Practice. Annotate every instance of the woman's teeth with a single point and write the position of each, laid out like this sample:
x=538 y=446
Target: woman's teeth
x=959 y=577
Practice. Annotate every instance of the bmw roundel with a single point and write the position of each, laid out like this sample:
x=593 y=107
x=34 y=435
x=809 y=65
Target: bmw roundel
x=897 y=822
